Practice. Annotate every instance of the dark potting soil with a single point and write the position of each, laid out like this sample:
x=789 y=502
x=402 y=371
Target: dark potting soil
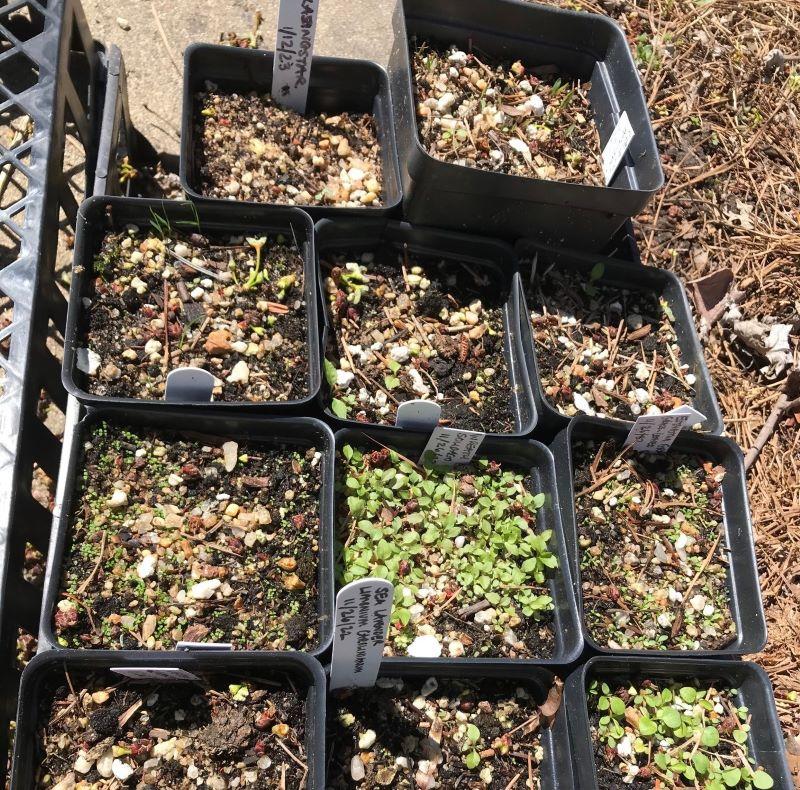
x=605 y=350
x=243 y=319
x=408 y=733
x=406 y=327
x=106 y=732
x=461 y=547
x=165 y=544
x=516 y=118
x=652 y=549
x=249 y=148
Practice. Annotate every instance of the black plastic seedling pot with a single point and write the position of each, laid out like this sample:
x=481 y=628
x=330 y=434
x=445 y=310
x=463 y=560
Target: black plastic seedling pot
x=765 y=743
x=46 y=673
x=745 y=593
x=535 y=459
x=586 y=46
x=555 y=771
x=335 y=85
x=99 y=215
x=300 y=432
x=490 y=255
x=616 y=274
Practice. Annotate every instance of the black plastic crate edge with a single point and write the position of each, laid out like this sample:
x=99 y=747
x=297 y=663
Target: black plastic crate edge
x=522 y=394
x=561 y=775
x=693 y=669
x=734 y=498
x=385 y=135
x=256 y=428
x=648 y=280
x=82 y=269
x=198 y=661
x=566 y=620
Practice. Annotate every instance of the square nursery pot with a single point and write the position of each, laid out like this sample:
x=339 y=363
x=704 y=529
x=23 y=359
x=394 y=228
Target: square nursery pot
x=335 y=85
x=743 y=585
x=556 y=768
x=494 y=257
x=585 y=46
x=262 y=433
x=45 y=675
x=617 y=274
x=765 y=744
x=534 y=458
x=100 y=215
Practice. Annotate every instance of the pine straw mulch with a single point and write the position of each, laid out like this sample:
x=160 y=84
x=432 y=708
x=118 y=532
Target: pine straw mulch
x=727 y=128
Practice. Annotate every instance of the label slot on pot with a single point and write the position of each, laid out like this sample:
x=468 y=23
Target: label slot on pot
x=210 y=647
x=446 y=446
x=655 y=433
x=294 y=49
x=361 y=624
x=615 y=149
x=155 y=674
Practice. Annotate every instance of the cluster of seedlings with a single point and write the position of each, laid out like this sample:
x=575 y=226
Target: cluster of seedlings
x=162 y=299
x=605 y=350
x=652 y=549
x=108 y=732
x=409 y=328
x=176 y=539
x=662 y=734
x=461 y=547
x=412 y=734
x=514 y=118
x=250 y=148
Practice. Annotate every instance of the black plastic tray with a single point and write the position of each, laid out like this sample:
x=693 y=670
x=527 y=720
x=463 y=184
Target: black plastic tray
x=536 y=458
x=496 y=256
x=92 y=225
x=556 y=770
x=555 y=212
x=745 y=592
x=335 y=85
x=766 y=739
x=300 y=431
x=617 y=274
x=306 y=672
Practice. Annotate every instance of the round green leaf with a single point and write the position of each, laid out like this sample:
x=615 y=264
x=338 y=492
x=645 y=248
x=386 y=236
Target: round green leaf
x=472 y=760
x=688 y=694
x=617 y=706
x=732 y=776
x=762 y=780
x=647 y=726
x=701 y=763
x=671 y=717
x=710 y=737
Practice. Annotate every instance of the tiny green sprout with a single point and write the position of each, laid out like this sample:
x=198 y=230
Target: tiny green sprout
x=239 y=691
x=256 y=277
x=472 y=760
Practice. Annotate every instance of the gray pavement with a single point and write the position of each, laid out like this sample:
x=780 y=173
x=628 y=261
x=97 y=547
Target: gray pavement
x=349 y=28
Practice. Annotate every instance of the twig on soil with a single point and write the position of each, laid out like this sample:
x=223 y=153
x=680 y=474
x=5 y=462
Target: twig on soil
x=163 y=37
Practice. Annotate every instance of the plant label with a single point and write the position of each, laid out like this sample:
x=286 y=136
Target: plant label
x=209 y=646
x=189 y=385
x=155 y=674
x=294 y=48
x=616 y=147
x=418 y=415
x=655 y=433
x=451 y=446
x=361 y=624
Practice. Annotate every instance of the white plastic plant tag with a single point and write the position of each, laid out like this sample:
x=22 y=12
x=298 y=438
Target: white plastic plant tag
x=418 y=415
x=361 y=623
x=209 y=646
x=655 y=433
x=616 y=147
x=189 y=385
x=451 y=446
x=294 y=47
x=174 y=674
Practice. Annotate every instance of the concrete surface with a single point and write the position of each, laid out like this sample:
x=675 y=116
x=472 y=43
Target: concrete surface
x=349 y=28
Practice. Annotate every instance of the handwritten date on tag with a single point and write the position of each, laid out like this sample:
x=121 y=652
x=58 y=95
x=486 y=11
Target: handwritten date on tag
x=361 y=623
x=294 y=48
x=615 y=149
x=655 y=433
